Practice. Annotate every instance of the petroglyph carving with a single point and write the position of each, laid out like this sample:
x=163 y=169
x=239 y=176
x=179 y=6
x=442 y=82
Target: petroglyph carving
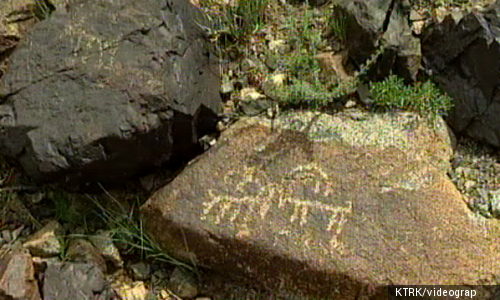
x=254 y=194
x=231 y=206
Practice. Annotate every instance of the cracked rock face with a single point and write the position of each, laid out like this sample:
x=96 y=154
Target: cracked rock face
x=17 y=277
x=464 y=57
x=99 y=95
x=368 y=22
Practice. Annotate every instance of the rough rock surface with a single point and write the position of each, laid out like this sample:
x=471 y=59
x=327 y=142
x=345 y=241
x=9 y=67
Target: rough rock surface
x=367 y=23
x=81 y=250
x=103 y=241
x=134 y=291
x=17 y=277
x=334 y=206
x=464 y=57
x=16 y=16
x=46 y=241
x=95 y=95
x=64 y=281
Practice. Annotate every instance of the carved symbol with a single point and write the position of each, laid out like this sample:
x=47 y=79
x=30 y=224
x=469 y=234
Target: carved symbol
x=258 y=201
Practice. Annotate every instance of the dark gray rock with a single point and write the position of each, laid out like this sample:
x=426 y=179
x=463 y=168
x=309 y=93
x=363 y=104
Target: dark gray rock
x=140 y=270
x=81 y=250
x=368 y=23
x=103 y=241
x=101 y=95
x=183 y=284
x=63 y=281
x=464 y=58
x=255 y=107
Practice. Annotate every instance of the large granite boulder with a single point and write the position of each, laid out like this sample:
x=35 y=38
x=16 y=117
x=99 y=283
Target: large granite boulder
x=104 y=90
x=328 y=206
x=463 y=55
x=369 y=24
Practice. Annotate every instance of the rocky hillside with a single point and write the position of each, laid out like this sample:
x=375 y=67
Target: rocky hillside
x=247 y=149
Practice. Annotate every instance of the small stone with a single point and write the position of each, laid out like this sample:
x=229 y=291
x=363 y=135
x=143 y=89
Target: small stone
x=103 y=241
x=275 y=80
x=227 y=87
x=148 y=182
x=495 y=203
x=229 y=108
x=250 y=94
x=164 y=295
x=469 y=184
x=279 y=46
x=135 y=291
x=6 y=236
x=417 y=27
x=271 y=62
x=159 y=278
x=40 y=264
x=466 y=171
x=17 y=276
x=253 y=108
x=350 y=104
x=140 y=270
x=416 y=15
x=69 y=280
x=45 y=242
x=457 y=14
x=273 y=85
x=247 y=64
x=207 y=141
x=17 y=232
x=440 y=13
x=221 y=126
x=364 y=95
x=36 y=197
x=252 y=102
x=332 y=66
x=81 y=250
x=183 y=284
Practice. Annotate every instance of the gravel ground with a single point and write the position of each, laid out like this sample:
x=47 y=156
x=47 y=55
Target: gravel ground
x=475 y=172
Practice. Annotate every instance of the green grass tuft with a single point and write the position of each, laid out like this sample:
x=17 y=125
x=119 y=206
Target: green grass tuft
x=128 y=233
x=337 y=24
x=424 y=98
x=251 y=14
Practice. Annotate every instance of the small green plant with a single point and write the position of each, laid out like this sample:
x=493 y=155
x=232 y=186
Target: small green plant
x=127 y=231
x=251 y=14
x=337 y=24
x=6 y=174
x=42 y=9
x=439 y=3
x=64 y=210
x=424 y=98
x=301 y=65
x=303 y=31
x=304 y=92
x=231 y=24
